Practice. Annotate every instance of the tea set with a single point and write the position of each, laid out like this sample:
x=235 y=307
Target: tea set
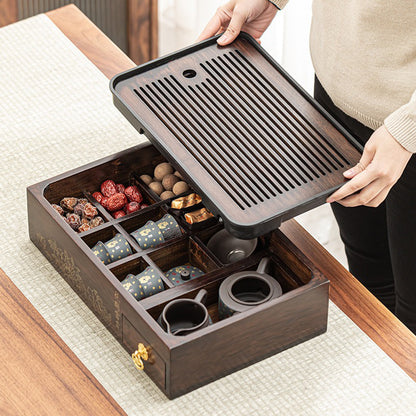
x=237 y=293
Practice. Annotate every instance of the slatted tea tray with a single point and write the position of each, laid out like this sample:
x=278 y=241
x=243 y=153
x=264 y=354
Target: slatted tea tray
x=257 y=147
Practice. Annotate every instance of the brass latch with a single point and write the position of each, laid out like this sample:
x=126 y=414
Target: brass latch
x=138 y=355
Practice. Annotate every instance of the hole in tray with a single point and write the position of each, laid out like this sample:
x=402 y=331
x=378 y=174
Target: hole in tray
x=189 y=73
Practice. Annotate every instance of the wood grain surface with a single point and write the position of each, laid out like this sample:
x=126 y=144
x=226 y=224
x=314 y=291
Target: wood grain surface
x=39 y=373
x=142 y=30
x=8 y=12
x=96 y=46
x=346 y=292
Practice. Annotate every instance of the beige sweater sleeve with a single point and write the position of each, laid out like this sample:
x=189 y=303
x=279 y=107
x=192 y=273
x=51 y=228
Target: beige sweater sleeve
x=279 y=3
x=401 y=124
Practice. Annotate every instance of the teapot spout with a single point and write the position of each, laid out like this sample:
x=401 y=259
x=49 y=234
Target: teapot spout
x=263 y=266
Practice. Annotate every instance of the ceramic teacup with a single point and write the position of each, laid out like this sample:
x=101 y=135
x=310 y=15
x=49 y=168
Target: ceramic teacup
x=169 y=227
x=144 y=284
x=118 y=247
x=101 y=252
x=148 y=236
x=183 y=316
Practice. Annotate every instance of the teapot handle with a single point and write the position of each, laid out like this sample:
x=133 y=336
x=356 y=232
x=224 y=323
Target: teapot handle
x=263 y=265
x=201 y=296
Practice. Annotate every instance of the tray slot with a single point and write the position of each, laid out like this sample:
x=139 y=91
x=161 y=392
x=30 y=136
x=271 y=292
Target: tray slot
x=254 y=95
x=230 y=143
x=268 y=86
x=291 y=156
x=206 y=156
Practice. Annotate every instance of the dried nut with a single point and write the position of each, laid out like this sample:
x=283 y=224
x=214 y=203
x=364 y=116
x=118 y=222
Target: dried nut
x=108 y=188
x=95 y=222
x=116 y=202
x=156 y=187
x=178 y=174
x=58 y=209
x=90 y=211
x=132 y=207
x=69 y=203
x=84 y=227
x=146 y=179
x=167 y=195
x=74 y=221
x=133 y=194
x=98 y=196
x=180 y=187
x=168 y=181
x=119 y=214
x=120 y=188
x=162 y=169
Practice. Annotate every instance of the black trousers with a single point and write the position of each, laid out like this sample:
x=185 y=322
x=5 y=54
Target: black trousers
x=380 y=243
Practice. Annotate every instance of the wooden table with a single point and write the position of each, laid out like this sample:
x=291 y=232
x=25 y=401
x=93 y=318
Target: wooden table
x=39 y=373
x=346 y=292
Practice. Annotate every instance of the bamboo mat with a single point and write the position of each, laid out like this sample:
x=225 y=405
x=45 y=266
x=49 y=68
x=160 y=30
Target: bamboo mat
x=56 y=114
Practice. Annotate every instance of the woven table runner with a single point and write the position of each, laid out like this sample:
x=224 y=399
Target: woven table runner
x=56 y=113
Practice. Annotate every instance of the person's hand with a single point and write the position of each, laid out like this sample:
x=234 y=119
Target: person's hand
x=251 y=16
x=380 y=167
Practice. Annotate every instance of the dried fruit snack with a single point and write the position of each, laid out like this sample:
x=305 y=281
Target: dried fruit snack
x=119 y=199
x=78 y=213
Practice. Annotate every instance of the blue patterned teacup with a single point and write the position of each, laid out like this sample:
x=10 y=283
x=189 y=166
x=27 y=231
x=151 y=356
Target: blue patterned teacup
x=169 y=227
x=101 y=252
x=118 y=247
x=148 y=236
x=144 y=284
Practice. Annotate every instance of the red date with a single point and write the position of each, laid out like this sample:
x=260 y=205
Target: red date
x=108 y=188
x=98 y=196
x=119 y=214
x=116 y=202
x=133 y=194
x=132 y=207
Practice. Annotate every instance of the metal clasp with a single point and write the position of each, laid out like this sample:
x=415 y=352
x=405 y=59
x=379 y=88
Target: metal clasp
x=138 y=355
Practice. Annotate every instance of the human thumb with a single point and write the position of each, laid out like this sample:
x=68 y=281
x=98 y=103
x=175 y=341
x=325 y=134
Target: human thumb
x=234 y=28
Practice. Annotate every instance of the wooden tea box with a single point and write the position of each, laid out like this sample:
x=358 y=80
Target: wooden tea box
x=258 y=150
x=177 y=364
